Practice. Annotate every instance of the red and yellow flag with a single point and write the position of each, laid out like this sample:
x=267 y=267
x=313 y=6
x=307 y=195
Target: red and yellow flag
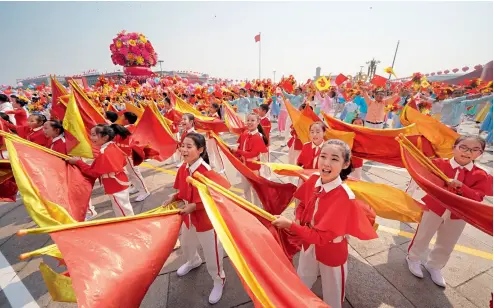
x=89 y=113
x=76 y=133
x=57 y=106
x=232 y=120
x=266 y=273
x=53 y=191
x=322 y=83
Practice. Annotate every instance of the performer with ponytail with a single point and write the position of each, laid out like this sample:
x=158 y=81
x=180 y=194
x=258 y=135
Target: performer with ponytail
x=53 y=129
x=33 y=131
x=109 y=167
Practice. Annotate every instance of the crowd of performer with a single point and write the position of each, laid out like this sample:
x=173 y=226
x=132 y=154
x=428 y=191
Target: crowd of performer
x=323 y=200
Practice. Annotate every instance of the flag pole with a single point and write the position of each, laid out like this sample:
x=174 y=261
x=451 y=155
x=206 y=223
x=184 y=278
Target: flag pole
x=394 y=58
x=259 y=55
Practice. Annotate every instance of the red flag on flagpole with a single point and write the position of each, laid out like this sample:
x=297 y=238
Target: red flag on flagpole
x=340 y=79
x=257 y=38
x=379 y=81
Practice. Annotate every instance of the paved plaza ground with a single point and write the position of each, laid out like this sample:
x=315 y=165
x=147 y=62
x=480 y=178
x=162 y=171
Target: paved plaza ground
x=378 y=273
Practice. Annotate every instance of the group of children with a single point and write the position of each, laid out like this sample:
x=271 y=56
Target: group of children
x=327 y=212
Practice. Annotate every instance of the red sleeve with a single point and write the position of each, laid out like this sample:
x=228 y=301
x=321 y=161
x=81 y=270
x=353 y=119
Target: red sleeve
x=9 y=112
x=111 y=160
x=301 y=194
x=303 y=157
x=257 y=147
x=479 y=189
x=87 y=170
x=312 y=235
x=60 y=147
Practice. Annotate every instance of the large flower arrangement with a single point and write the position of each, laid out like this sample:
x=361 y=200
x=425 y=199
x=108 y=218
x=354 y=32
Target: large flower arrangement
x=132 y=49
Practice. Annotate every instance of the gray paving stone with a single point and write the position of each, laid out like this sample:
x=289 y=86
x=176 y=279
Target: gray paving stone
x=420 y=292
x=13 y=221
x=246 y=305
x=61 y=305
x=478 y=290
x=489 y=272
x=9 y=206
x=383 y=243
x=4 y=302
x=199 y=284
x=157 y=294
x=16 y=245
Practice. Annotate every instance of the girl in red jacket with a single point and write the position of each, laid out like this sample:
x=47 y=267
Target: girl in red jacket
x=33 y=131
x=251 y=143
x=186 y=127
x=4 y=154
x=326 y=215
x=124 y=143
x=197 y=229
x=109 y=167
x=309 y=156
x=470 y=182
x=53 y=129
x=20 y=114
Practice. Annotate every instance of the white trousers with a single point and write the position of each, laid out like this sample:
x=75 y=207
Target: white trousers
x=4 y=154
x=250 y=193
x=265 y=171
x=211 y=246
x=448 y=232
x=357 y=173
x=412 y=188
x=287 y=128
x=333 y=279
x=135 y=176
x=120 y=202
x=91 y=208
x=214 y=155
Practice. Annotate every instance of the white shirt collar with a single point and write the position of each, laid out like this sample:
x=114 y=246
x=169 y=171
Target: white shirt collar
x=264 y=117
x=61 y=136
x=104 y=146
x=37 y=128
x=191 y=130
x=317 y=146
x=329 y=186
x=254 y=132
x=455 y=165
x=196 y=165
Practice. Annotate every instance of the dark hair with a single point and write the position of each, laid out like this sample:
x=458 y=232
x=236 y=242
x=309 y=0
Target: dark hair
x=56 y=124
x=40 y=118
x=21 y=102
x=167 y=100
x=357 y=118
x=4 y=98
x=5 y=117
x=304 y=105
x=471 y=137
x=112 y=130
x=347 y=156
x=200 y=142
x=190 y=117
x=321 y=124
x=130 y=116
x=217 y=108
x=112 y=116
x=259 y=128
x=264 y=107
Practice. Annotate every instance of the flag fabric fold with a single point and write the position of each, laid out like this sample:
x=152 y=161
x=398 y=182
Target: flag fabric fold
x=266 y=273
x=340 y=79
x=8 y=187
x=53 y=191
x=112 y=264
x=202 y=123
x=440 y=136
x=379 y=81
x=232 y=120
x=89 y=113
x=59 y=286
x=76 y=133
x=473 y=212
x=57 y=92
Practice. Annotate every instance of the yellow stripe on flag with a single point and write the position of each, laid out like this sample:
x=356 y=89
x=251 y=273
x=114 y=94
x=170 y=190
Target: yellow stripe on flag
x=73 y=123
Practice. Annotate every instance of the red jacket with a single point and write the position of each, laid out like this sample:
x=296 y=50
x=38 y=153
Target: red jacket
x=475 y=183
x=309 y=156
x=109 y=167
x=58 y=144
x=125 y=144
x=327 y=214
x=298 y=144
x=187 y=192
x=20 y=116
x=172 y=115
x=34 y=135
x=266 y=127
x=250 y=146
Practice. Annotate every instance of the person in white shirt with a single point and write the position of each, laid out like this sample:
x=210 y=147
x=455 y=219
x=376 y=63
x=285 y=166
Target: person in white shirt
x=6 y=105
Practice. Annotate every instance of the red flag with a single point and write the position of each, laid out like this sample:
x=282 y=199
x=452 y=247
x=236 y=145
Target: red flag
x=90 y=115
x=266 y=273
x=340 y=79
x=257 y=38
x=8 y=188
x=57 y=91
x=273 y=196
x=113 y=264
x=150 y=131
x=379 y=81
x=475 y=213
x=232 y=120
x=287 y=86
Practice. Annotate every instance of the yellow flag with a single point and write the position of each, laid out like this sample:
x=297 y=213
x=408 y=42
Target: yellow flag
x=137 y=110
x=183 y=107
x=322 y=83
x=74 y=125
x=389 y=70
x=59 y=286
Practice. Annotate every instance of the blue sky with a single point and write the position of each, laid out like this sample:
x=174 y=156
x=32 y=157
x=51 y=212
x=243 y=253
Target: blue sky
x=218 y=37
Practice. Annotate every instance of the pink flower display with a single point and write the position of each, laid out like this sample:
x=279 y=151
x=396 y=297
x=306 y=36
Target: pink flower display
x=132 y=49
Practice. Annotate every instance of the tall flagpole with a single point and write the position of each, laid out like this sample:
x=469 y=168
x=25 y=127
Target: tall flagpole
x=394 y=58
x=259 y=55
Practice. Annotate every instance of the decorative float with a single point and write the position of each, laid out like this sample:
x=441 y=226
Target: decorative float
x=135 y=53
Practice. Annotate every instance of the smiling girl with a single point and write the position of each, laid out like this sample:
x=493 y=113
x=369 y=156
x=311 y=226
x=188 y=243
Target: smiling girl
x=197 y=228
x=33 y=131
x=53 y=129
x=468 y=181
x=327 y=214
x=309 y=156
x=109 y=167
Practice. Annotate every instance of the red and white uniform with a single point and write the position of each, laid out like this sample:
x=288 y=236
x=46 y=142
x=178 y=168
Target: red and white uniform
x=197 y=228
x=171 y=115
x=294 y=146
x=35 y=135
x=133 y=172
x=58 y=144
x=309 y=156
x=250 y=146
x=328 y=213
x=178 y=155
x=109 y=167
x=438 y=219
x=266 y=126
